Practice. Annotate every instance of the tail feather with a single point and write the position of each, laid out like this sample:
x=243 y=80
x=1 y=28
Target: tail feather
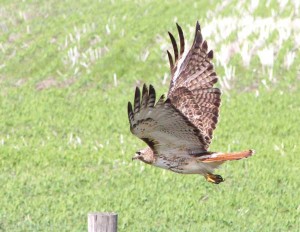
x=218 y=156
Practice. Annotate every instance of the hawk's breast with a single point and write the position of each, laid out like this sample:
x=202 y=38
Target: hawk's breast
x=184 y=165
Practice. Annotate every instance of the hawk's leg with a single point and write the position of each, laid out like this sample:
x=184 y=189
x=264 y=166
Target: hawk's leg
x=216 y=179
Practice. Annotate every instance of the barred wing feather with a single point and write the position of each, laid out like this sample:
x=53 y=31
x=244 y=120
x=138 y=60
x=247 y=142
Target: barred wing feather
x=161 y=125
x=191 y=88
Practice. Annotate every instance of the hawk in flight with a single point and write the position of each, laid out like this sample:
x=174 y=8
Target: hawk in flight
x=178 y=130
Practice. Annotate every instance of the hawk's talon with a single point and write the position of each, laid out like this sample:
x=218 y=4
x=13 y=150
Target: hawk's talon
x=216 y=179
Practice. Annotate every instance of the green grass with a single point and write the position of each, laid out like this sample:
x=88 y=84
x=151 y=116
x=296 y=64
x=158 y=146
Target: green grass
x=66 y=150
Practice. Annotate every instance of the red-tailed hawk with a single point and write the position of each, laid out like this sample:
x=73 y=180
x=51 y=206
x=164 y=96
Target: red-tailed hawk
x=178 y=130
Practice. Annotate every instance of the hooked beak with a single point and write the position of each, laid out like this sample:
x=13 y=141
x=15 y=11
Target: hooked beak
x=136 y=156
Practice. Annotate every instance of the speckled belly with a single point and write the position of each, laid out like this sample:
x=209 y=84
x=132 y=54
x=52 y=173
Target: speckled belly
x=183 y=165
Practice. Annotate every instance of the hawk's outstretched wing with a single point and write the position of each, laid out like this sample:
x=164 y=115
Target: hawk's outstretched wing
x=162 y=126
x=186 y=120
x=191 y=88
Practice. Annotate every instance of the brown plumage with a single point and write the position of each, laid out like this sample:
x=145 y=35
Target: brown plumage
x=179 y=130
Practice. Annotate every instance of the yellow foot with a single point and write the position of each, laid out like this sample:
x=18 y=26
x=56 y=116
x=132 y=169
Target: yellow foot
x=216 y=179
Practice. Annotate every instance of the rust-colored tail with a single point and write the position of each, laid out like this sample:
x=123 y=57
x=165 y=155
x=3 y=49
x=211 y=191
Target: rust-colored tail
x=218 y=156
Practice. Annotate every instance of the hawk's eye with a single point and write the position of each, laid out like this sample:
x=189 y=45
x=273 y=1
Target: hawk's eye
x=138 y=152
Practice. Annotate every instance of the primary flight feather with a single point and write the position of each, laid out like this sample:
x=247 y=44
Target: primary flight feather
x=178 y=130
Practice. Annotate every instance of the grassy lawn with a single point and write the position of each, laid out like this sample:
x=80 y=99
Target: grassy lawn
x=67 y=71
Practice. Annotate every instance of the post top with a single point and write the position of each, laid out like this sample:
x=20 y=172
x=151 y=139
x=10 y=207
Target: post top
x=102 y=214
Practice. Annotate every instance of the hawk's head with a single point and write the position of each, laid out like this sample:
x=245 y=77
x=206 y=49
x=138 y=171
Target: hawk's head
x=146 y=155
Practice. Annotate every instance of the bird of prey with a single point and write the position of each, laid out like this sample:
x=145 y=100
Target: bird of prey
x=178 y=130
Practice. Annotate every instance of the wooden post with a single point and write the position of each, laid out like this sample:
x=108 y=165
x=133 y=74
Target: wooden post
x=102 y=222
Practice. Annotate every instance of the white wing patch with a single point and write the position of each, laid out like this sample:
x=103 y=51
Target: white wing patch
x=179 y=68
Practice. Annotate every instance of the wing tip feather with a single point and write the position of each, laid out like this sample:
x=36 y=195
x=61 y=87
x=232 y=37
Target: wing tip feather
x=204 y=45
x=181 y=38
x=137 y=99
x=152 y=96
x=174 y=44
x=198 y=25
x=145 y=89
x=170 y=61
x=130 y=112
x=210 y=54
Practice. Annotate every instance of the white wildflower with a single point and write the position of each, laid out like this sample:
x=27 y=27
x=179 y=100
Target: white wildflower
x=246 y=54
x=289 y=59
x=253 y=5
x=266 y=56
x=107 y=29
x=115 y=80
x=296 y=6
x=282 y=4
x=225 y=82
x=284 y=31
x=166 y=75
x=264 y=82
x=145 y=55
x=223 y=56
